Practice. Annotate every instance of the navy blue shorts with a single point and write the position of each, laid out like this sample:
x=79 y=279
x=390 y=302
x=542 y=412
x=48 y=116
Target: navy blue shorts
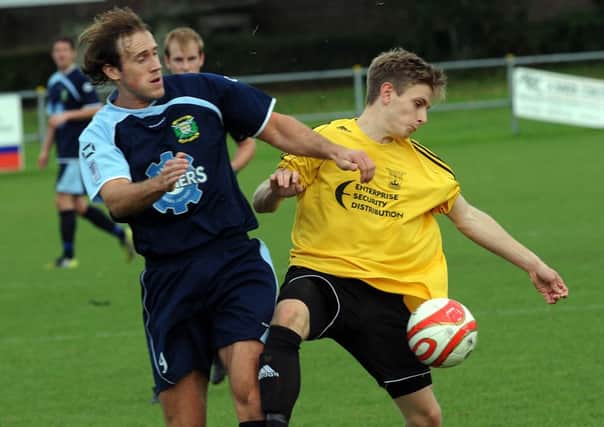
x=196 y=304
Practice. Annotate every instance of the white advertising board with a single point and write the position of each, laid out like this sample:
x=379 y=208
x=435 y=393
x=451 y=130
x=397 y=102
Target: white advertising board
x=560 y=98
x=11 y=132
x=11 y=119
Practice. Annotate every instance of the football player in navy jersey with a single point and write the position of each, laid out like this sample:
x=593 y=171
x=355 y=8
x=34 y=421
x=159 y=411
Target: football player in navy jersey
x=156 y=154
x=184 y=53
x=72 y=101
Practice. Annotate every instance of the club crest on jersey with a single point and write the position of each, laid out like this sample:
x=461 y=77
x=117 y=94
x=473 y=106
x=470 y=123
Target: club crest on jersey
x=186 y=190
x=396 y=177
x=185 y=128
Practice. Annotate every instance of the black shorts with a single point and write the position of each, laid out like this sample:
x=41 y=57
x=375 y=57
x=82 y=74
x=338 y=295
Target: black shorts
x=370 y=324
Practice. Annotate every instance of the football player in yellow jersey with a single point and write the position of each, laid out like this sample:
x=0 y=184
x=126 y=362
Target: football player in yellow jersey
x=366 y=254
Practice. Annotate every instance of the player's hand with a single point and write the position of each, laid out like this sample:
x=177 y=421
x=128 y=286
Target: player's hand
x=172 y=171
x=549 y=284
x=42 y=160
x=347 y=159
x=286 y=183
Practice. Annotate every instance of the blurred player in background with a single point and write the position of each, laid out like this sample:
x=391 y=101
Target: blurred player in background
x=184 y=53
x=365 y=255
x=156 y=154
x=72 y=101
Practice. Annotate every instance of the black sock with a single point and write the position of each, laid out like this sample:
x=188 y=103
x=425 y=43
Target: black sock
x=279 y=375
x=253 y=424
x=67 y=226
x=276 y=420
x=102 y=221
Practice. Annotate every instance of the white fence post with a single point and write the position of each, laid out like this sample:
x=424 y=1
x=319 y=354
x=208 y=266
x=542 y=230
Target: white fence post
x=40 y=98
x=510 y=61
x=359 y=98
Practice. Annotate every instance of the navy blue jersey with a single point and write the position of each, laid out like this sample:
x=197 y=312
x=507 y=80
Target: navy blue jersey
x=69 y=91
x=193 y=117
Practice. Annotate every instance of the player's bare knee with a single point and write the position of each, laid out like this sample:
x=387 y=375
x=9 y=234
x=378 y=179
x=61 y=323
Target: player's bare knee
x=64 y=202
x=432 y=417
x=81 y=205
x=246 y=396
x=293 y=314
x=247 y=401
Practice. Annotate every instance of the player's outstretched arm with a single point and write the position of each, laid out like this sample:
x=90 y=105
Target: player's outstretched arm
x=281 y=184
x=291 y=136
x=485 y=231
x=125 y=198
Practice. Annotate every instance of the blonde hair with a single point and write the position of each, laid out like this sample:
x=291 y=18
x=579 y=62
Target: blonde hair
x=403 y=69
x=182 y=36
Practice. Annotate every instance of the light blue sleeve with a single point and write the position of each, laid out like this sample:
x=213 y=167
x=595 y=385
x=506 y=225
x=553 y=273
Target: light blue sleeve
x=100 y=159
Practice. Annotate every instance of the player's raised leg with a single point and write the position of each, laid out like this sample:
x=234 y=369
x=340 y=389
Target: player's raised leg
x=420 y=408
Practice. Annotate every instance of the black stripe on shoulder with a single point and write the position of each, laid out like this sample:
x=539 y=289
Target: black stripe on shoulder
x=432 y=157
x=427 y=150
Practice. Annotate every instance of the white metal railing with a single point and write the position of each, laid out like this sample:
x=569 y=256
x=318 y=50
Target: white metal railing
x=357 y=75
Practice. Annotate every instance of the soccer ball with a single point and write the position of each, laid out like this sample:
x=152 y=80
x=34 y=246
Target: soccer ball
x=442 y=332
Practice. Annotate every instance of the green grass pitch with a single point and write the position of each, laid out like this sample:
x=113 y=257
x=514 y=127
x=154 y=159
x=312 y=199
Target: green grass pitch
x=72 y=348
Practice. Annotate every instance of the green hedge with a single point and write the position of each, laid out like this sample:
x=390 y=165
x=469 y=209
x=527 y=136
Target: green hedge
x=259 y=55
x=244 y=54
x=24 y=70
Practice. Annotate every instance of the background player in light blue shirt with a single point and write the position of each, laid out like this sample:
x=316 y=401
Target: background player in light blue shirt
x=72 y=101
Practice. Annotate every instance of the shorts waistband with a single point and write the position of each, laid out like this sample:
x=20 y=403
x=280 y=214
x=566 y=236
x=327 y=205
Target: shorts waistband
x=221 y=241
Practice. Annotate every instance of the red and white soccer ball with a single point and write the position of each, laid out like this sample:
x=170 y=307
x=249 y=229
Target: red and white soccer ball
x=442 y=332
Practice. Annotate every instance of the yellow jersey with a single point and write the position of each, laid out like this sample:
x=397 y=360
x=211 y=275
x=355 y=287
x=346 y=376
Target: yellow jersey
x=382 y=232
